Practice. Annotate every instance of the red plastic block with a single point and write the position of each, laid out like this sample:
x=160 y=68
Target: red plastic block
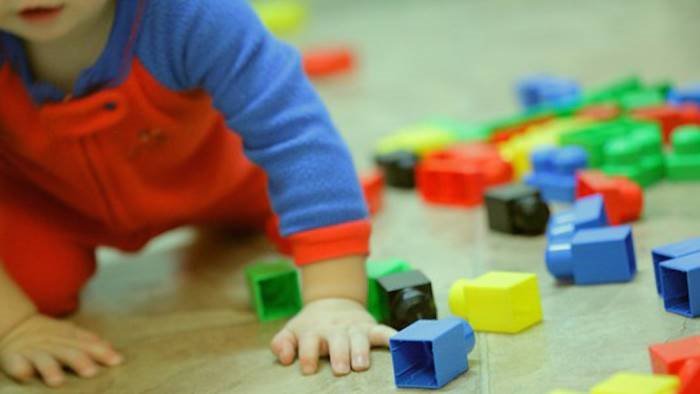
x=328 y=61
x=503 y=134
x=690 y=377
x=669 y=358
x=373 y=187
x=449 y=181
x=484 y=157
x=624 y=199
x=669 y=117
x=601 y=112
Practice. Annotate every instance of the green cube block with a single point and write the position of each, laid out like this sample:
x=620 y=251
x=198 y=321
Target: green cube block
x=650 y=141
x=613 y=91
x=376 y=270
x=623 y=157
x=274 y=289
x=683 y=163
x=641 y=98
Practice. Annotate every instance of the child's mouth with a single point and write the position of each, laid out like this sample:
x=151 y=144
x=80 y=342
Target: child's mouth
x=40 y=14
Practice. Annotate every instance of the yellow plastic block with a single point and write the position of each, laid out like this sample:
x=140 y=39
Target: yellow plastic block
x=633 y=383
x=506 y=302
x=281 y=16
x=565 y=392
x=419 y=139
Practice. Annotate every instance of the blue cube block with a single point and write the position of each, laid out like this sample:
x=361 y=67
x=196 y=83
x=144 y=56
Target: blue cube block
x=680 y=280
x=588 y=212
x=547 y=91
x=672 y=251
x=685 y=94
x=594 y=256
x=431 y=353
x=554 y=172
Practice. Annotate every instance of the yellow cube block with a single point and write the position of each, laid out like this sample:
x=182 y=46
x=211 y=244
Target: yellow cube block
x=281 y=16
x=420 y=139
x=505 y=302
x=634 y=383
x=565 y=392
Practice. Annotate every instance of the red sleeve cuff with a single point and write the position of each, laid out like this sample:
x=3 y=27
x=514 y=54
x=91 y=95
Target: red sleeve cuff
x=347 y=239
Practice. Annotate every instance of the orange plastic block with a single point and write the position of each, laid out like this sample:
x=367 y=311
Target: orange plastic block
x=328 y=61
x=504 y=134
x=448 y=181
x=669 y=117
x=670 y=358
x=690 y=377
x=624 y=199
x=373 y=188
x=600 y=112
x=485 y=157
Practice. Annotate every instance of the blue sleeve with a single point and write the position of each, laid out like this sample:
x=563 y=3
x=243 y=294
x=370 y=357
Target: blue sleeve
x=257 y=82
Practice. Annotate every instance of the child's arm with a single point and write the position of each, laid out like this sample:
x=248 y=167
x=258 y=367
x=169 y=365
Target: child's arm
x=31 y=343
x=334 y=321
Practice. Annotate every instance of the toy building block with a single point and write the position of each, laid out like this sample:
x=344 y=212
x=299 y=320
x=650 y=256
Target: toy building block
x=683 y=163
x=281 y=16
x=399 y=168
x=633 y=383
x=376 y=270
x=505 y=302
x=600 y=112
x=428 y=354
x=482 y=156
x=680 y=285
x=670 y=357
x=555 y=172
x=516 y=209
x=274 y=289
x=539 y=91
x=623 y=199
x=611 y=92
x=648 y=138
x=420 y=139
x=588 y=212
x=447 y=181
x=690 y=377
x=642 y=98
x=593 y=139
x=622 y=157
x=685 y=94
x=670 y=252
x=669 y=117
x=407 y=296
x=594 y=256
x=565 y=392
x=373 y=189
x=324 y=62
x=505 y=129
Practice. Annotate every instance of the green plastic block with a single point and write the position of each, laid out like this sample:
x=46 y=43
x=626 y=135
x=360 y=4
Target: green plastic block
x=274 y=289
x=462 y=132
x=642 y=98
x=683 y=163
x=376 y=270
x=594 y=138
x=649 y=138
x=613 y=91
x=623 y=157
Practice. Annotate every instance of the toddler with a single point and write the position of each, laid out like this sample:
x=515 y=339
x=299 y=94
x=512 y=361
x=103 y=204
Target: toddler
x=122 y=119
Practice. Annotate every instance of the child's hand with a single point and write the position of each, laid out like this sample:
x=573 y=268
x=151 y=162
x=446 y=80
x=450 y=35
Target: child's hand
x=43 y=345
x=338 y=327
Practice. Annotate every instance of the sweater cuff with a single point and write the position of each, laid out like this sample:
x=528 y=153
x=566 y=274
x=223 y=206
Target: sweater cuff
x=341 y=240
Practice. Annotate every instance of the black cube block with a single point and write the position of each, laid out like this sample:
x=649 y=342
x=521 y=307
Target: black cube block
x=399 y=168
x=407 y=297
x=517 y=209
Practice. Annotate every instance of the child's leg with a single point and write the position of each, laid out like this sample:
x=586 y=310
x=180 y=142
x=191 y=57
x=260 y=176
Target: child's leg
x=42 y=260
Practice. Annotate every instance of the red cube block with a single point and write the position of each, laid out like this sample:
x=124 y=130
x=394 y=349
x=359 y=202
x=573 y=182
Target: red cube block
x=669 y=117
x=624 y=199
x=484 y=157
x=448 y=181
x=690 y=377
x=328 y=61
x=671 y=357
x=373 y=188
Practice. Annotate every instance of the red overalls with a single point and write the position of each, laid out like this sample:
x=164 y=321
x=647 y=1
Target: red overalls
x=116 y=168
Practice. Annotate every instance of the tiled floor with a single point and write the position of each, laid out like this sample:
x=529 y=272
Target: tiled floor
x=181 y=316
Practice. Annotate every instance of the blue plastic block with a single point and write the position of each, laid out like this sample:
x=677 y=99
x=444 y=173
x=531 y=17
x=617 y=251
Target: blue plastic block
x=685 y=94
x=548 y=91
x=430 y=353
x=680 y=280
x=594 y=256
x=672 y=251
x=554 y=172
x=588 y=212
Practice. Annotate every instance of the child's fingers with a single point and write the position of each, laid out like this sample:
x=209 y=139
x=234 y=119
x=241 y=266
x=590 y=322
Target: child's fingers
x=284 y=345
x=100 y=351
x=17 y=367
x=49 y=369
x=339 y=350
x=379 y=335
x=308 y=353
x=76 y=360
x=359 y=350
